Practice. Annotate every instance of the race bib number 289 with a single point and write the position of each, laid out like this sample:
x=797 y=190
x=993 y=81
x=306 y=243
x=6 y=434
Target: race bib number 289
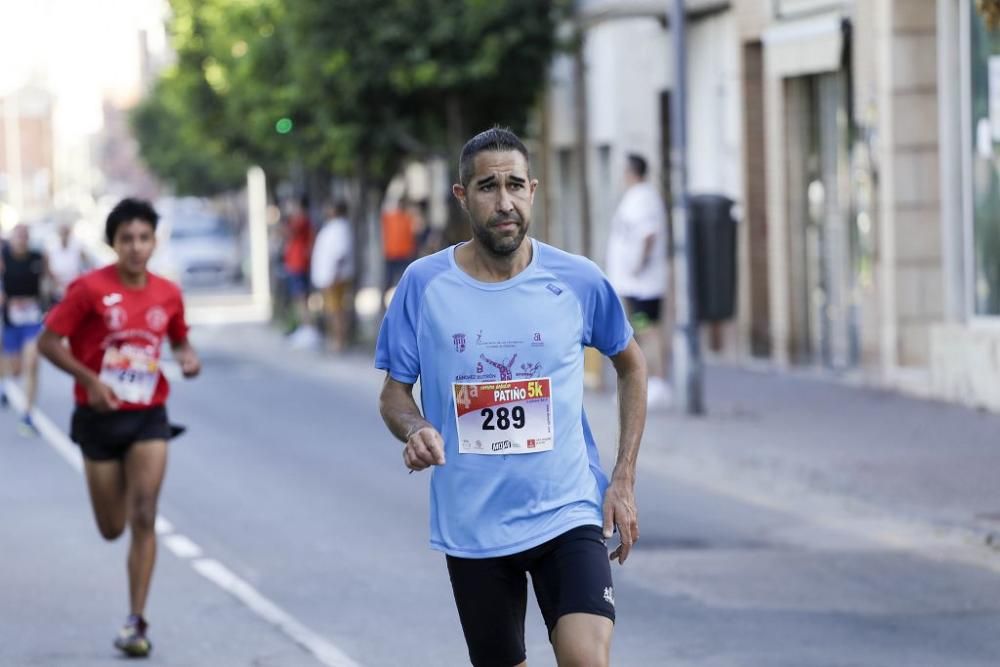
x=510 y=417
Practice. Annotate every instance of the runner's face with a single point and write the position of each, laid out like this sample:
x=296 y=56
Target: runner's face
x=135 y=242
x=19 y=239
x=498 y=200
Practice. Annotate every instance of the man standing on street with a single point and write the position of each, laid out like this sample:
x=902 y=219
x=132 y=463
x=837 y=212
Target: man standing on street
x=637 y=267
x=332 y=269
x=517 y=486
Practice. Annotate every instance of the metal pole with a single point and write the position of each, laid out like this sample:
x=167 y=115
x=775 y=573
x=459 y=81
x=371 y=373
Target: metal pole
x=260 y=276
x=688 y=383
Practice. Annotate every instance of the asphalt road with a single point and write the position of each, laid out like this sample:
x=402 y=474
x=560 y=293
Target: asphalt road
x=290 y=492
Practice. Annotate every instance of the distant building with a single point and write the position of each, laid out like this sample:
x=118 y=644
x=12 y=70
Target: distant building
x=26 y=150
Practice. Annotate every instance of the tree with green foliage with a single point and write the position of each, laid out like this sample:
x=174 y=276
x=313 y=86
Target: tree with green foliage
x=349 y=87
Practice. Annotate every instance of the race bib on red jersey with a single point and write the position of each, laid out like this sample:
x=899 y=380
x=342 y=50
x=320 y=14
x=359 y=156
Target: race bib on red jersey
x=509 y=417
x=131 y=372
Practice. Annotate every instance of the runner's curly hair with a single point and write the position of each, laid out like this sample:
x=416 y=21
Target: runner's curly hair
x=127 y=210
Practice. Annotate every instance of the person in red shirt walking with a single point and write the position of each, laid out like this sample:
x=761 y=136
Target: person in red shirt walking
x=115 y=320
x=298 y=251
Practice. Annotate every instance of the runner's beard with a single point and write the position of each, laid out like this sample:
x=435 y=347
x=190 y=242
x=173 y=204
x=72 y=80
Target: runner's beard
x=498 y=243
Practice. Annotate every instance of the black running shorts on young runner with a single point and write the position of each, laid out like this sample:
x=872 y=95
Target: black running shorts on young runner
x=570 y=574
x=105 y=436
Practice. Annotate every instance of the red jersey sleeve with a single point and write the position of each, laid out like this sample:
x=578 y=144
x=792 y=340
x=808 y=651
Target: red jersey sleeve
x=67 y=316
x=177 y=328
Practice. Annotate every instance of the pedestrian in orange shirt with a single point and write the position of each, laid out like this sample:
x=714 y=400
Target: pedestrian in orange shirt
x=399 y=246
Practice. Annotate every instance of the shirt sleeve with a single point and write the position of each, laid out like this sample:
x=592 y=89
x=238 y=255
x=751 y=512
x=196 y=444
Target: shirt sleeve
x=607 y=326
x=177 y=327
x=397 y=351
x=69 y=314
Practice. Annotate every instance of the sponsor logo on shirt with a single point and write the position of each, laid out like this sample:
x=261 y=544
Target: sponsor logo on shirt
x=554 y=289
x=499 y=343
x=459 y=341
x=529 y=370
x=115 y=317
x=609 y=595
x=504 y=366
x=501 y=445
x=156 y=318
x=111 y=299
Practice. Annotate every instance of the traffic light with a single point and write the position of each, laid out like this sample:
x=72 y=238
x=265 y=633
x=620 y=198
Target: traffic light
x=284 y=125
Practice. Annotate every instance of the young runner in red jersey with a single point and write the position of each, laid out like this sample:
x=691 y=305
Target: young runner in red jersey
x=116 y=320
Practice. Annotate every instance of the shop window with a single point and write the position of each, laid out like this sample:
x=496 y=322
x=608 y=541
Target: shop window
x=984 y=62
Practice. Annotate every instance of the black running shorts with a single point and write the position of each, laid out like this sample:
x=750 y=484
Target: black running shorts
x=105 y=436
x=570 y=573
x=643 y=312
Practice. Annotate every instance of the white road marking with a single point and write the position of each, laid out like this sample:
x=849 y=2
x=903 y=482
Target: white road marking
x=181 y=546
x=163 y=527
x=184 y=548
x=222 y=577
x=47 y=428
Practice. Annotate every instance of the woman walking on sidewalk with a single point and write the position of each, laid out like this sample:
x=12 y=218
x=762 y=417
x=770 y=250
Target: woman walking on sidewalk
x=115 y=320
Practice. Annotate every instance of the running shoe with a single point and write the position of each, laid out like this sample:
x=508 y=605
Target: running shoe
x=27 y=427
x=131 y=639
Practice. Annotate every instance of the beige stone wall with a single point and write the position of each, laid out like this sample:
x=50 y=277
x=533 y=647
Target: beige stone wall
x=912 y=184
x=752 y=17
x=965 y=367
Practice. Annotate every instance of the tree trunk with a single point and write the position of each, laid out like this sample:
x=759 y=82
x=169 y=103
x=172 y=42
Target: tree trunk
x=457 y=227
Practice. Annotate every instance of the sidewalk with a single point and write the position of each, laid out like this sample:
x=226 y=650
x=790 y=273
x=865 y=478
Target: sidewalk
x=909 y=472
x=897 y=469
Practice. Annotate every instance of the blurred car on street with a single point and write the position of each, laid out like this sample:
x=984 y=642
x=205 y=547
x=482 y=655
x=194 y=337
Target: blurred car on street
x=196 y=248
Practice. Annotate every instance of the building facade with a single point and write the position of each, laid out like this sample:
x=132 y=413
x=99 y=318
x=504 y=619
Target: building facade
x=860 y=141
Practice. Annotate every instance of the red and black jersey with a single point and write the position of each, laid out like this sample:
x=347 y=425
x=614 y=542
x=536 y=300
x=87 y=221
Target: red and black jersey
x=108 y=323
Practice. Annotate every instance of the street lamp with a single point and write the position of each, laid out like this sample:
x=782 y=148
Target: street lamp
x=688 y=384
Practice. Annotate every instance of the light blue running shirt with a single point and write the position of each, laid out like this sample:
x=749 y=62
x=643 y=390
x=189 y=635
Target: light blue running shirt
x=508 y=357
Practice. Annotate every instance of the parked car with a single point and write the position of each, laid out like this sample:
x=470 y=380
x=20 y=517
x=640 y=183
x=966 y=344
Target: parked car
x=198 y=249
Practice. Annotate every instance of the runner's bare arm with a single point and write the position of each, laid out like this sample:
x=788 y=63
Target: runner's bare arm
x=619 y=500
x=424 y=445
x=99 y=395
x=187 y=358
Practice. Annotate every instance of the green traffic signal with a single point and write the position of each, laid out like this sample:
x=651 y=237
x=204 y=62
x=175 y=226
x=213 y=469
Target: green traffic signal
x=283 y=126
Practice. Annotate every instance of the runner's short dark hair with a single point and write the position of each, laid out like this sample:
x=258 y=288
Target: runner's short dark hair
x=127 y=210
x=498 y=139
x=637 y=164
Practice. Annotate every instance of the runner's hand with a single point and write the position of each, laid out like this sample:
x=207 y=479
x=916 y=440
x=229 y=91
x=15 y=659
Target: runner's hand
x=101 y=397
x=189 y=362
x=424 y=448
x=620 y=511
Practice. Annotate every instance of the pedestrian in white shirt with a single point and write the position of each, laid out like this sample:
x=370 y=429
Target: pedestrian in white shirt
x=66 y=261
x=332 y=269
x=637 y=268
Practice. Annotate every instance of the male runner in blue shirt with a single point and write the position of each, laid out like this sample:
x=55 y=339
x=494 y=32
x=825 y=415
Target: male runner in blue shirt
x=495 y=330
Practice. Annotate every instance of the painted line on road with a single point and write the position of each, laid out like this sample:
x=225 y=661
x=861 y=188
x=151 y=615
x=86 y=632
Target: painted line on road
x=224 y=578
x=47 y=429
x=182 y=547
x=186 y=549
